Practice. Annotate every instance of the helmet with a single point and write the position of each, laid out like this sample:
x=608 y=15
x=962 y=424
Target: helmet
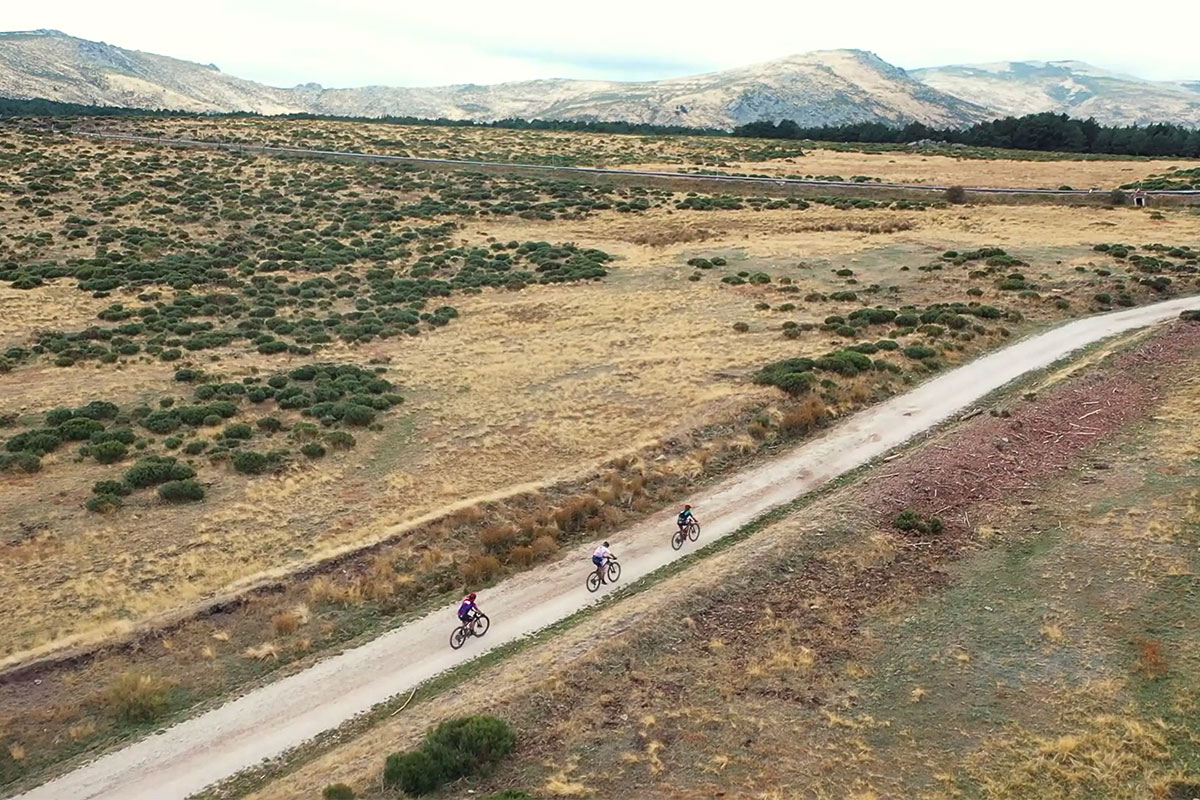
x=606 y=544
x=686 y=507
x=471 y=596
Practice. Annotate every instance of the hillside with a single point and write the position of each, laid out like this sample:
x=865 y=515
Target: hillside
x=1068 y=87
x=828 y=87
x=54 y=66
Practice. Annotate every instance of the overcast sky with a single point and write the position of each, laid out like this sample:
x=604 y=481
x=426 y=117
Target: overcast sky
x=402 y=43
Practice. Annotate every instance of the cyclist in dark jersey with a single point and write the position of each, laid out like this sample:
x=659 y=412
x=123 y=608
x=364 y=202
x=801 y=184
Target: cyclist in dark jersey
x=467 y=610
x=685 y=517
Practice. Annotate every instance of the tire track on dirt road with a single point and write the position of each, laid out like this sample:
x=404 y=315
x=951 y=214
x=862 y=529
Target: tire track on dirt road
x=267 y=721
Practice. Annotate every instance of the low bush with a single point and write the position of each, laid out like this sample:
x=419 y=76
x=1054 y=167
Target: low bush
x=454 y=749
x=103 y=503
x=28 y=463
x=909 y=520
x=340 y=440
x=250 y=462
x=240 y=431
x=109 y=452
x=133 y=697
x=155 y=470
x=337 y=791
x=480 y=569
x=187 y=491
x=313 y=449
x=919 y=352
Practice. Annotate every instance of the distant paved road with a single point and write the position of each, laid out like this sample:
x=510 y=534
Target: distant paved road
x=300 y=151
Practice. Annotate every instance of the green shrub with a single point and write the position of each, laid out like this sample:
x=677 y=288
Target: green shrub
x=103 y=503
x=240 y=431
x=57 y=416
x=23 y=461
x=186 y=491
x=38 y=441
x=919 y=351
x=741 y=327
x=269 y=424
x=337 y=791
x=186 y=375
x=415 y=772
x=910 y=520
x=165 y=421
x=340 y=440
x=454 y=749
x=250 y=462
x=109 y=452
x=313 y=449
x=155 y=470
x=111 y=487
x=79 y=429
x=956 y=195
x=195 y=447
x=358 y=416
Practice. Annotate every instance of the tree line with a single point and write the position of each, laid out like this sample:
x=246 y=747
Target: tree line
x=1045 y=132
x=10 y=107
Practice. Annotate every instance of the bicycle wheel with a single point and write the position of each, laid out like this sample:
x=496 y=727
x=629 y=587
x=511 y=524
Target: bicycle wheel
x=694 y=531
x=614 y=571
x=593 y=581
x=481 y=625
x=458 y=637
x=677 y=540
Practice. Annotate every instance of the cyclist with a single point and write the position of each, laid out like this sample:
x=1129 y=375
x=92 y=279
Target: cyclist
x=600 y=559
x=467 y=610
x=685 y=518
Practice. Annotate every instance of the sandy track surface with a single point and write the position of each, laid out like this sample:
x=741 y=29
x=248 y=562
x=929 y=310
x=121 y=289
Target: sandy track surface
x=267 y=721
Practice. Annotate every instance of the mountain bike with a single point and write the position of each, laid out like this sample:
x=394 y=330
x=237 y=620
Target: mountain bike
x=612 y=572
x=477 y=626
x=689 y=531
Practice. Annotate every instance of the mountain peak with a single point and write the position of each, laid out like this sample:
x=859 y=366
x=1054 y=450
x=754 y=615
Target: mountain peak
x=821 y=87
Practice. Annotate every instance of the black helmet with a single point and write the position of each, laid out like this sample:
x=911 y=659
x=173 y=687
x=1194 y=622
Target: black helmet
x=606 y=544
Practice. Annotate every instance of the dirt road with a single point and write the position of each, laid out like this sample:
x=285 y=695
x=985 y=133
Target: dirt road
x=264 y=723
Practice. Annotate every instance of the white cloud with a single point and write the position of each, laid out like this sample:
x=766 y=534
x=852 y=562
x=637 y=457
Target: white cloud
x=356 y=42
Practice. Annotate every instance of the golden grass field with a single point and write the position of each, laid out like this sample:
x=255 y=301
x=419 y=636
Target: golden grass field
x=729 y=154
x=530 y=402
x=1053 y=657
x=530 y=388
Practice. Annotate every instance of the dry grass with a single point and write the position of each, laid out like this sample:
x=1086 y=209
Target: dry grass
x=135 y=697
x=480 y=569
x=1106 y=755
x=598 y=376
x=262 y=652
x=938 y=688
x=544 y=411
x=288 y=622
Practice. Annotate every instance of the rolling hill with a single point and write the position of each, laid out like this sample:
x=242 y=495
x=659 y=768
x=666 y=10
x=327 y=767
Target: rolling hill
x=825 y=87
